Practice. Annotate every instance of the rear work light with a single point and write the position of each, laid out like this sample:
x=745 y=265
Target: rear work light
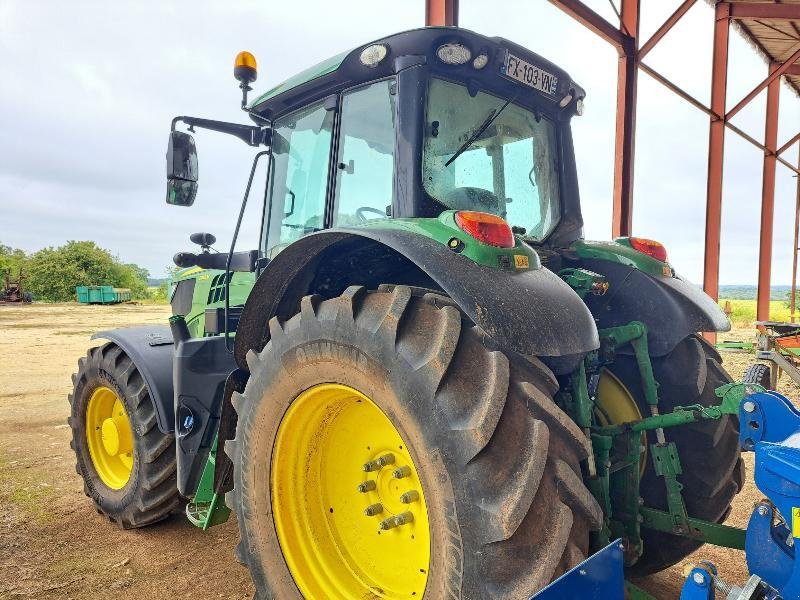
x=649 y=247
x=486 y=228
x=453 y=54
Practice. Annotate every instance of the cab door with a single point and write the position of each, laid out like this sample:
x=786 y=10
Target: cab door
x=297 y=186
x=365 y=160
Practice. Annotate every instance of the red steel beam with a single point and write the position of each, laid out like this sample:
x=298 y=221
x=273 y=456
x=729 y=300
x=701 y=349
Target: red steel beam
x=793 y=70
x=625 y=142
x=768 y=197
x=757 y=10
x=716 y=147
x=677 y=90
x=441 y=13
x=665 y=28
x=787 y=145
x=775 y=74
x=714 y=116
x=593 y=21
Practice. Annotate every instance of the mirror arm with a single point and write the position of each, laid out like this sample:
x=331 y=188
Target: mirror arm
x=249 y=134
x=231 y=254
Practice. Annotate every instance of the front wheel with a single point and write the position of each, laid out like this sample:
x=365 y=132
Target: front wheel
x=127 y=463
x=383 y=451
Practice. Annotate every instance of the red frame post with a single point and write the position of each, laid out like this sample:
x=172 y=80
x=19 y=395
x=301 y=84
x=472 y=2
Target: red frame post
x=627 y=83
x=716 y=147
x=441 y=13
x=793 y=303
x=768 y=195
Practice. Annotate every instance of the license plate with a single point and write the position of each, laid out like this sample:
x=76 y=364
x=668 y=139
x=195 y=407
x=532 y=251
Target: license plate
x=528 y=74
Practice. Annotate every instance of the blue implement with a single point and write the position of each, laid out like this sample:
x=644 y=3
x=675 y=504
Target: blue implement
x=770 y=427
x=599 y=577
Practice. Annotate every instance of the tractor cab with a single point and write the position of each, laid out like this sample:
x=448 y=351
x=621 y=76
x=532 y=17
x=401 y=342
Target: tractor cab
x=415 y=124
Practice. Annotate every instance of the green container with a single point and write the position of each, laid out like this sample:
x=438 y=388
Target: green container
x=101 y=294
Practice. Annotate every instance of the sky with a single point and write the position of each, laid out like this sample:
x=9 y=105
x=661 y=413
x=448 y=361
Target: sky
x=88 y=90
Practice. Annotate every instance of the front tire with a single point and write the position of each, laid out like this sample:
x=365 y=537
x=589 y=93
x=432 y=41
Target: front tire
x=127 y=464
x=496 y=460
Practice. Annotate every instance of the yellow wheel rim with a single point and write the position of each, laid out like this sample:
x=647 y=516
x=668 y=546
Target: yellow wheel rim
x=617 y=406
x=109 y=438
x=347 y=501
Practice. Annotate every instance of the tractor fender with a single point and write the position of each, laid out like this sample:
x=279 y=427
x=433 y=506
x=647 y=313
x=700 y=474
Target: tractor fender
x=530 y=312
x=670 y=307
x=150 y=347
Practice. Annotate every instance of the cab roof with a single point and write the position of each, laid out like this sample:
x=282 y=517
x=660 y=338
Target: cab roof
x=405 y=49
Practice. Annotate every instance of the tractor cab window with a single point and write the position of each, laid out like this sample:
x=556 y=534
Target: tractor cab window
x=298 y=177
x=510 y=169
x=365 y=163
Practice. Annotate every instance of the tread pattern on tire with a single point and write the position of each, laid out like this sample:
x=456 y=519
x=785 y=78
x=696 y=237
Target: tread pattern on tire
x=760 y=374
x=513 y=455
x=155 y=494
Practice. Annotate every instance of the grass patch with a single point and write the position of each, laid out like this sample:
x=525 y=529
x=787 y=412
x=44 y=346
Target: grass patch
x=744 y=311
x=20 y=490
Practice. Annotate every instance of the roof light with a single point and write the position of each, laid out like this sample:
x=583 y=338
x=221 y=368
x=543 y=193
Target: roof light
x=579 y=107
x=244 y=67
x=486 y=228
x=453 y=54
x=651 y=248
x=565 y=100
x=480 y=61
x=371 y=56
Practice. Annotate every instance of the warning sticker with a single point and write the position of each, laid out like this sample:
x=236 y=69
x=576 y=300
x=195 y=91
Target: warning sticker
x=521 y=261
x=796 y=521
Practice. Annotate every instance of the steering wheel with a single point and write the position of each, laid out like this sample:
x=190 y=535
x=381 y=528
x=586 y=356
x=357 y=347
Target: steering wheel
x=474 y=198
x=360 y=213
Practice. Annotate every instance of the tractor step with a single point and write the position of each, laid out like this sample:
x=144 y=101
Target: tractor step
x=207 y=514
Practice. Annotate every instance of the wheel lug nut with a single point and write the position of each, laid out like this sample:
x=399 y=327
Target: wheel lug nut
x=379 y=463
x=367 y=486
x=397 y=520
x=373 y=509
x=409 y=497
x=401 y=472
x=386 y=459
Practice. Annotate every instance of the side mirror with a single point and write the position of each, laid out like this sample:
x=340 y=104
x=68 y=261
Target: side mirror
x=181 y=169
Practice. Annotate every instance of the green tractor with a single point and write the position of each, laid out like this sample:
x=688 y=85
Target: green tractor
x=424 y=382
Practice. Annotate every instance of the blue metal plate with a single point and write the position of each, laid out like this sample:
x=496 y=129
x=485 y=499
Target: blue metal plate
x=598 y=577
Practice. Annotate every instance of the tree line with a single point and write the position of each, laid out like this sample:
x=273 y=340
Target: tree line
x=51 y=274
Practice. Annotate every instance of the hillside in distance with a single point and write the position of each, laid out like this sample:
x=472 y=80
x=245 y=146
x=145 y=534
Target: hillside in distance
x=748 y=292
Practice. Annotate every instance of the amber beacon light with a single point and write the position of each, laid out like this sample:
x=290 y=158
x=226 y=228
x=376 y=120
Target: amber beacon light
x=244 y=68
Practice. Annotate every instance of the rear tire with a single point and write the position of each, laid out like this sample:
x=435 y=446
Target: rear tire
x=713 y=471
x=760 y=374
x=498 y=461
x=151 y=493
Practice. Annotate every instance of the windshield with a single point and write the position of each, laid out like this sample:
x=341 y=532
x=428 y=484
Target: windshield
x=509 y=169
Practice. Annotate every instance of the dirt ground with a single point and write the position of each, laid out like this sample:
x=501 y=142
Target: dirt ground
x=52 y=542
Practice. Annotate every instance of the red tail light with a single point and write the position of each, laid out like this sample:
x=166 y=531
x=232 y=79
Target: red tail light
x=487 y=228
x=649 y=247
